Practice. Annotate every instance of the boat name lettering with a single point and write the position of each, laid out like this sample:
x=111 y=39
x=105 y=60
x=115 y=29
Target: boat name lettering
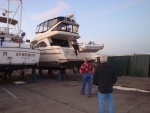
x=25 y=54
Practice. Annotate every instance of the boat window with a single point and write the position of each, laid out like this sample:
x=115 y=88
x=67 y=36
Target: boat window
x=45 y=26
x=51 y=23
x=61 y=27
x=41 y=27
x=37 y=29
x=69 y=28
x=41 y=44
x=75 y=29
x=59 y=42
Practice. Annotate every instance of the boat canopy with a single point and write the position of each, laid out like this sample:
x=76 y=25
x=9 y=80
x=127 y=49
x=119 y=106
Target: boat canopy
x=68 y=25
x=11 y=21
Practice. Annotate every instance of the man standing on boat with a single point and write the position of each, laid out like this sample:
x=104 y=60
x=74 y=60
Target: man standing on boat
x=86 y=70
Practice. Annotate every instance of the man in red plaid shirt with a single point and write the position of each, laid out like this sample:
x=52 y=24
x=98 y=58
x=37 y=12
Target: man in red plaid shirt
x=86 y=70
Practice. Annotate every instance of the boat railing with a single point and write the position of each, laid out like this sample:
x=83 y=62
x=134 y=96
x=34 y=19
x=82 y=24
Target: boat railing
x=6 y=30
x=21 y=45
x=89 y=43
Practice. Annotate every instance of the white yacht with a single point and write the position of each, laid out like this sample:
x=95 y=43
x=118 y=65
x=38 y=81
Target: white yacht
x=56 y=39
x=15 y=52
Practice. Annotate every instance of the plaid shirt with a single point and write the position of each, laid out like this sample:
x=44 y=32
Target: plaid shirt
x=86 y=68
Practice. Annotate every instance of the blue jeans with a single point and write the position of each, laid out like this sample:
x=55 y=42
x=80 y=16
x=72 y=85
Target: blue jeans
x=59 y=76
x=33 y=78
x=86 y=78
x=105 y=97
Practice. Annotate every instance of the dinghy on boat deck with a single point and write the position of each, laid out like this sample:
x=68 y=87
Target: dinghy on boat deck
x=90 y=47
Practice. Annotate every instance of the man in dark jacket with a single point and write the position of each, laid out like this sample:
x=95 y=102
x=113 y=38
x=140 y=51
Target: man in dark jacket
x=104 y=78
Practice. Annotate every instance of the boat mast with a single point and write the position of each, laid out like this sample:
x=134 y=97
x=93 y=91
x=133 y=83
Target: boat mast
x=20 y=15
x=7 y=12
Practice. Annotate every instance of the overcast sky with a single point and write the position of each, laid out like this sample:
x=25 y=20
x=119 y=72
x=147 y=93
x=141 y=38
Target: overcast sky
x=123 y=26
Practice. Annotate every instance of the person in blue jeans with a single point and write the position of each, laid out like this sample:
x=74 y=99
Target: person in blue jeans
x=59 y=75
x=33 y=76
x=104 y=77
x=86 y=70
x=86 y=78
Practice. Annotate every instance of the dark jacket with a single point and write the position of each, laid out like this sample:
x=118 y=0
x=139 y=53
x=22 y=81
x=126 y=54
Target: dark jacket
x=104 y=77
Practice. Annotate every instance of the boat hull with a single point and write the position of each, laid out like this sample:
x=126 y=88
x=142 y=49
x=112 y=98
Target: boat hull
x=56 y=66
x=61 y=57
x=18 y=58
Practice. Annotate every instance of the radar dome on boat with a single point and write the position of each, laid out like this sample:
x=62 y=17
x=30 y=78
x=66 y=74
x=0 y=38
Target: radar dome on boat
x=71 y=15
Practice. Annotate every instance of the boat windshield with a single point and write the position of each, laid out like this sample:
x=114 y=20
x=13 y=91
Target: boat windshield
x=41 y=44
x=66 y=27
x=45 y=26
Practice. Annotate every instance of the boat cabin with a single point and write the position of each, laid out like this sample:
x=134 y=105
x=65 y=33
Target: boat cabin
x=65 y=24
x=7 y=36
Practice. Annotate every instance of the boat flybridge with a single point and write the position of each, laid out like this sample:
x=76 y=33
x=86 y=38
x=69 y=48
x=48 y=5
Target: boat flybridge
x=57 y=41
x=15 y=53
